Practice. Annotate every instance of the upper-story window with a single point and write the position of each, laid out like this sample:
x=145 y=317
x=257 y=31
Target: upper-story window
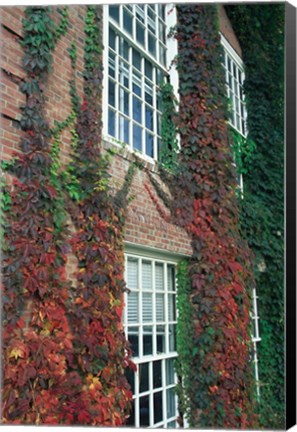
x=136 y=64
x=234 y=71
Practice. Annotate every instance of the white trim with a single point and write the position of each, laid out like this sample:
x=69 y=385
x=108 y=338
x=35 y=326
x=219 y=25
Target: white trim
x=228 y=47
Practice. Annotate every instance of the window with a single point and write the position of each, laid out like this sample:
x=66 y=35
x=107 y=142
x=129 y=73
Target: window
x=150 y=325
x=234 y=83
x=255 y=339
x=136 y=62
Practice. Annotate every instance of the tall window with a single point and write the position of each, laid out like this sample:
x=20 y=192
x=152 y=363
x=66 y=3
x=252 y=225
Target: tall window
x=137 y=61
x=255 y=339
x=233 y=66
x=150 y=324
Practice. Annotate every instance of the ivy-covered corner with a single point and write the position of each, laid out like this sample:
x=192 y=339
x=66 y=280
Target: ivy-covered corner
x=262 y=210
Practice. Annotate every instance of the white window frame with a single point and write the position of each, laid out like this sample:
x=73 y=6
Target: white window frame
x=164 y=357
x=169 y=69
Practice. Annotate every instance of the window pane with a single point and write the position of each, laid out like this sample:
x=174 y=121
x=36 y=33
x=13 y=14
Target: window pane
x=159 y=277
x=147 y=340
x=160 y=339
x=157 y=374
x=172 y=337
x=137 y=114
x=147 y=307
x=144 y=411
x=127 y=20
x=132 y=271
x=124 y=129
x=152 y=44
x=169 y=371
x=111 y=93
x=130 y=375
x=171 y=277
x=131 y=419
x=136 y=59
x=114 y=13
x=147 y=282
x=133 y=338
x=136 y=83
x=160 y=308
x=170 y=403
x=143 y=377
x=124 y=49
x=171 y=307
x=158 y=407
x=148 y=70
x=124 y=101
x=148 y=92
x=112 y=39
x=111 y=122
x=137 y=137
x=149 y=117
x=140 y=33
x=133 y=307
x=149 y=144
x=111 y=64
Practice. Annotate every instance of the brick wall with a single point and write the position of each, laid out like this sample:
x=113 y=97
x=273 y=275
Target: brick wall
x=144 y=225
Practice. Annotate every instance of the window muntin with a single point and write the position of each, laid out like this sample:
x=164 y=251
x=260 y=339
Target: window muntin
x=150 y=325
x=137 y=53
x=234 y=83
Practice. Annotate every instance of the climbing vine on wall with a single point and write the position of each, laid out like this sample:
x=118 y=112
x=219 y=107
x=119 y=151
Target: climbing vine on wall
x=63 y=345
x=219 y=381
x=262 y=208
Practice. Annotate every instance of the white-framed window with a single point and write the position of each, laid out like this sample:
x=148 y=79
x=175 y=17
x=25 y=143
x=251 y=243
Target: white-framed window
x=256 y=339
x=137 y=60
x=150 y=325
x=234 y=72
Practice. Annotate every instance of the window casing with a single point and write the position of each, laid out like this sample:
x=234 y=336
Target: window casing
x=150 y=325
x=136 y=63
x=234 y=72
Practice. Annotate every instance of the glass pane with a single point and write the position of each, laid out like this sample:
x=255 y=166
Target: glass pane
x=171 y=307
x=162 y=54
x=147 y=307
x=148 y=92
x=111 y=93
x=140 y=33
x=171 y=425
x=144 y=411
x=137 y=114
x=133 y=338
x=132 y=271
x=169 y=371
x=162 y=32
x=171 y=277
x=160 y=339
x=147 y=340
x=112 y=38
x=114 y=13
x=158 y=407
x=157 y=374
x=143 y=377
x=139 y=10
x=159 y=276
x=171 y=408
x=148 y=70
x=136 y=59
x=133 y=302
x=127 y=20
x=147 y=275
x=123 y=129
x=124 y=49
x=124 y=73
x=111 y=64
x=152 y=44
x=160 y=316
x=124 y=101
x=172 y=337
x=137 y=137
x=136 y=83
x=111 y=122
x=149 y=144
x=149 y=117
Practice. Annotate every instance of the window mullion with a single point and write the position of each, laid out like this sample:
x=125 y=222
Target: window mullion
x=140 y=310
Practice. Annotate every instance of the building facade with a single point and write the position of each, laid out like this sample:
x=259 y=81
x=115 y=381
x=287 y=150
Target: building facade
x=138 y=56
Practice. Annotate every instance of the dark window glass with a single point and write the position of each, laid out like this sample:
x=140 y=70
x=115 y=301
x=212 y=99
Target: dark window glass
x=131 y=419
x=130 y=375
x=127 y=21
x=147 y=340
x=143 y=377
x=140 y=33
x=111 y=122
x=160 y=339
x=137 y=109
x=114 y=13
x=134 y=340
x=112 y=39
x=136 y=59
x=172 y=337
x=149 y=118
x=170 y=402
x=152 y=44
x=169 y=371
x=157 y=373
x=144 y=410
x=137 y=139
x=148 y=70
x=149 y=144
x=111 y=93
x=158 y=407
